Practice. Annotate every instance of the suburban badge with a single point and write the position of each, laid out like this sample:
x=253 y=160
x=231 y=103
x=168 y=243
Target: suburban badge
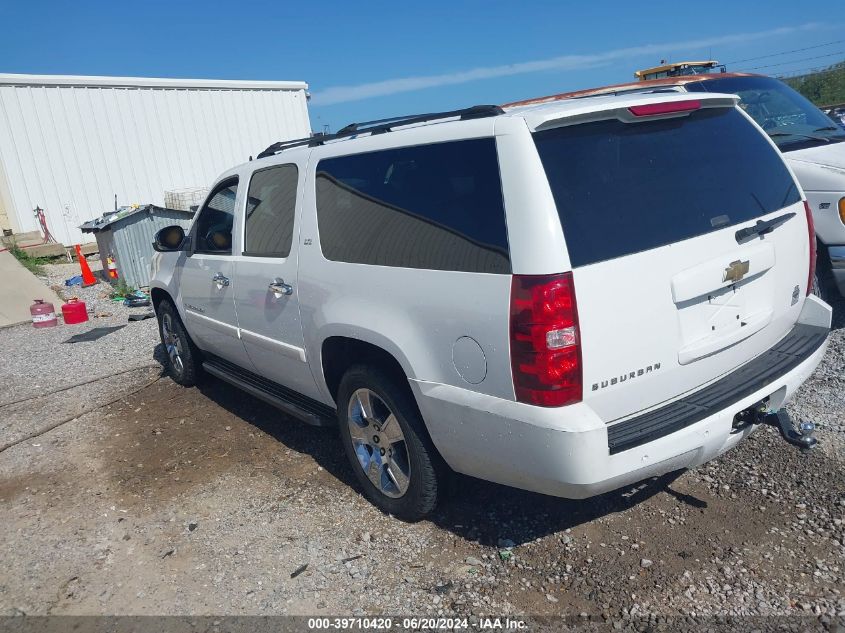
x=603 y=384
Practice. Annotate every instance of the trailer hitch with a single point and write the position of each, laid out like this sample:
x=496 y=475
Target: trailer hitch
x=802 y=437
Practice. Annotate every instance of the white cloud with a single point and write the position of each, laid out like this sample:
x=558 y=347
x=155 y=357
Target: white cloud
x=342 y=94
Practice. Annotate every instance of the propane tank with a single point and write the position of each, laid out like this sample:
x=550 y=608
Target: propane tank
x=74 y=311
x=43 y=314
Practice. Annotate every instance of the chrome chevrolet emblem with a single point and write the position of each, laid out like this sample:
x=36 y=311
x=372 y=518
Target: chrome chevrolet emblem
x=736 y=271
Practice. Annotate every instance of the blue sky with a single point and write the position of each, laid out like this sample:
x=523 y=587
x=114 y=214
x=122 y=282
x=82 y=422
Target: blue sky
x=375 y=59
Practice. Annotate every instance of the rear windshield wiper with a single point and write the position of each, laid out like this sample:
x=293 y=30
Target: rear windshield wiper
x=761 y=228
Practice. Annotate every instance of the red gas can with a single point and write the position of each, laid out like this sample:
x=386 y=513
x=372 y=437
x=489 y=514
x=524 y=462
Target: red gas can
x=74 y=311
x=43 y=314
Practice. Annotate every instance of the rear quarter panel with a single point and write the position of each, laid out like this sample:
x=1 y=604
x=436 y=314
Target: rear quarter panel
x=415 y=315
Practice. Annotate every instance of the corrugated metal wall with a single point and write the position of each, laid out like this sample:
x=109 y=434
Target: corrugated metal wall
x=70 y=148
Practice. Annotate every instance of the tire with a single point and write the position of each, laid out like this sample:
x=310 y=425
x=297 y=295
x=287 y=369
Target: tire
x=819 y=288
x=823 y=284
x=183 y=358
x=410 y=473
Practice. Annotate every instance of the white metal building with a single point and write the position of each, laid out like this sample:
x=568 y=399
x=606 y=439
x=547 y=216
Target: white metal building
x=69 y=144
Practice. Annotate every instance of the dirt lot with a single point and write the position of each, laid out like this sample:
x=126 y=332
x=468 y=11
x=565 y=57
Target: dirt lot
x=206 y=501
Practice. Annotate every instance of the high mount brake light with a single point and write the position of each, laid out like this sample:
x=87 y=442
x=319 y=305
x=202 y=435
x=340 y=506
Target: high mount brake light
x=545 y=340
x=669 y=107
x=811 y=230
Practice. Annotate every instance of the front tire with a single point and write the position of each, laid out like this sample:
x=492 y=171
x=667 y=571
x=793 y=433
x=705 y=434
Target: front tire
x=387 y=445
x=183 y=359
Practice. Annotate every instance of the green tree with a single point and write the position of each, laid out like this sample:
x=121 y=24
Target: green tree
x=825 y=87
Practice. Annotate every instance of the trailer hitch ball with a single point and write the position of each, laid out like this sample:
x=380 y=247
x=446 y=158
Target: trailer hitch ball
x=802 y=437
x=806 y=428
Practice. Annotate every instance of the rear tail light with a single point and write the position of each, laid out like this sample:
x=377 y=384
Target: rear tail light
x=842 y=210
x=670 y=107
x=811 y=229
x=545 y=340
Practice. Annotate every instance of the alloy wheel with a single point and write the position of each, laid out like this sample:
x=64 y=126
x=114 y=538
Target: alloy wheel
x=172 y=343
x=379 y=443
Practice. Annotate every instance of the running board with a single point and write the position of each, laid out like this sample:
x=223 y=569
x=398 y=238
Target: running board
x=295 y=404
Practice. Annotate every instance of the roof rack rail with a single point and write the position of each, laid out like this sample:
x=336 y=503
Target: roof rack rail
x=474 y=112
x=384 y=125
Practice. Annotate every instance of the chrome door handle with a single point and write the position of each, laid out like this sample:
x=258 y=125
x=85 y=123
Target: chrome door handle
x=279 y=287
x=221 y=281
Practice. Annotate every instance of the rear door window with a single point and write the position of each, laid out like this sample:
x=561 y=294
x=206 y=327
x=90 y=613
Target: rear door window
x=435 y=206
x=622 y=188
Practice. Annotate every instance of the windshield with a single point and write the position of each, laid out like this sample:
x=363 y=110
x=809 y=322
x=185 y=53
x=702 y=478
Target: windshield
x=695 y=69
x=789 y=118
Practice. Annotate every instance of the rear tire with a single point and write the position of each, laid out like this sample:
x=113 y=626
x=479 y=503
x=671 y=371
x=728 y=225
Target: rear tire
x=183 y=358
x=387 y=444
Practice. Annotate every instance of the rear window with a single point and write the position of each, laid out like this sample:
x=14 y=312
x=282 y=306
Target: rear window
x=621 y=188
x=437 y=207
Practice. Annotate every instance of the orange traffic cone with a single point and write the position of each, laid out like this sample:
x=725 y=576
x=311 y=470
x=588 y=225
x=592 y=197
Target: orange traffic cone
x=88 y=278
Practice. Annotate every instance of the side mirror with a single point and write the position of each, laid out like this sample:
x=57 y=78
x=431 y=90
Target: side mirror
x=169 y=239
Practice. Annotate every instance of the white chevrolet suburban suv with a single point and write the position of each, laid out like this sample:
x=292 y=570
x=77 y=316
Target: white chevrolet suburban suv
x=565 y=297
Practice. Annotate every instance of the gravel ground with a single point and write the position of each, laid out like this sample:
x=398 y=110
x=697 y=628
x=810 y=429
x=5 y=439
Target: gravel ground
x=33 y=361
x=206 y=501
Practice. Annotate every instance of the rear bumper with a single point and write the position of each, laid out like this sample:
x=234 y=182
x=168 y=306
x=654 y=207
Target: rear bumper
x=837 y=266
x=566 y=452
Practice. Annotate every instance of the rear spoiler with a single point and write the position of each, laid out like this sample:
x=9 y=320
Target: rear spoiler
x=630 y=109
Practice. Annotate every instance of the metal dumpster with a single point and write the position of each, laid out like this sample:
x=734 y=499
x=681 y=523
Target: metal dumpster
x=127 y=236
